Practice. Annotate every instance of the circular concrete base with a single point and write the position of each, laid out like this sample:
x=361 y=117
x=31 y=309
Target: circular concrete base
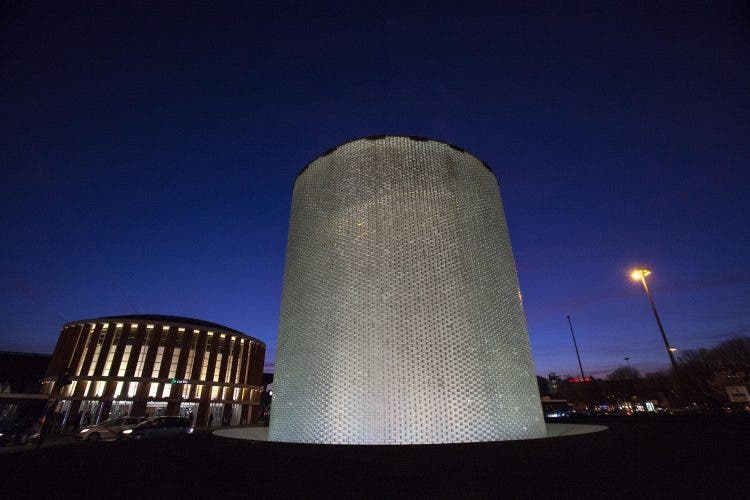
x=553 y=430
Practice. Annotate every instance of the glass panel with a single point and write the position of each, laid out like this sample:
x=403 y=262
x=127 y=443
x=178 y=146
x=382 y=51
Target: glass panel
x=132 y=389
x=144 y=352
x=175 y=359
x=124 y=362
x=112 y=348
x=98 y=349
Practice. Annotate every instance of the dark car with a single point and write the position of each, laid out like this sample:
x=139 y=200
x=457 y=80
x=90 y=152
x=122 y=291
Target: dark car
x=556 y=410
x=158 y=427
x=19 y=433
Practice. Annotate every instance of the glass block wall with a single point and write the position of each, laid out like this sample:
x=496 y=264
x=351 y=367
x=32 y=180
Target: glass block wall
x=401 y=317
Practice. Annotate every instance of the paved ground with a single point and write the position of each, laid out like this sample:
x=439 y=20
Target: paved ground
x=553 y=430
x=689 y=459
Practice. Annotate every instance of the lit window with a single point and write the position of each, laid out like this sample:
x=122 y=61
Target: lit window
x=99 y=388
x=124 y=362
x=98 y=349
x=132 y=389
x=219 y=357
x=86 y=339
x=112 y=348
x=175 y=359
x=118 y=389
x=166 y=391
x=191 y=357
x=157 y=361
x=142 y=354
x=70 y=389
x=152 y=389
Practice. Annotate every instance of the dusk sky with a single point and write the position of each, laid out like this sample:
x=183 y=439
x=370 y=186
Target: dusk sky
x=148 y=153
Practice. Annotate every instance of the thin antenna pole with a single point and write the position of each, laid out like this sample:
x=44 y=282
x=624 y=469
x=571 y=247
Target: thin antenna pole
x=578 y=355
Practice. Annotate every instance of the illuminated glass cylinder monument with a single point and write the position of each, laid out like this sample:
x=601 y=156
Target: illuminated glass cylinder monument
x=401 y=317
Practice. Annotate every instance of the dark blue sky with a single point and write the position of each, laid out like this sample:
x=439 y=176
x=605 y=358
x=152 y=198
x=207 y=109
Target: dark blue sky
x=148 y=156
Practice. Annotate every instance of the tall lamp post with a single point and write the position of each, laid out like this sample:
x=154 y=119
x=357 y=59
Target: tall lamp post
x=640 y=275
x=575 y=344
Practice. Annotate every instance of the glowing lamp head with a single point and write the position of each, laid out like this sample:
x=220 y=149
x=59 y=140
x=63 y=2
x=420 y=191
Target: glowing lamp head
x=639 y=274
x=672 y=349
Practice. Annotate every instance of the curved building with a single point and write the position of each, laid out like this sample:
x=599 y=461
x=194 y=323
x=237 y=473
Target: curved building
x=401 y=316
x=142 y=365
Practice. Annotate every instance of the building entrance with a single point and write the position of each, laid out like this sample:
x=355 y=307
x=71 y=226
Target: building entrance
x=156 y=408
x=216 y=411
x=120 y=409
x=189 y=410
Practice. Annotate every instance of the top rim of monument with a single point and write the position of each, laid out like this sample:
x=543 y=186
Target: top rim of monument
x=417 y=138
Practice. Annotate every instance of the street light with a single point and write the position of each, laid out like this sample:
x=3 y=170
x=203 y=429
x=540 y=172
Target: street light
x=640 y=275
x=575 y=344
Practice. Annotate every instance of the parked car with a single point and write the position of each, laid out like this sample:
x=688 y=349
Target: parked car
x=109 y=430
x=158 y=427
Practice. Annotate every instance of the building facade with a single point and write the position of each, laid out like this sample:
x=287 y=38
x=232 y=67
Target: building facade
x=21 y=376
x=401 y=317
x=144 y=365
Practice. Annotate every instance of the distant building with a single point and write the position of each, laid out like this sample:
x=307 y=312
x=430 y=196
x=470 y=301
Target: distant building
x=543 y=385
x=141 y=365
x=554 y=384
x=21 y=376
x=22 y=372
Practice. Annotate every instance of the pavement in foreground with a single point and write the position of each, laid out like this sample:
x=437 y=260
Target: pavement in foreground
x=696 y=459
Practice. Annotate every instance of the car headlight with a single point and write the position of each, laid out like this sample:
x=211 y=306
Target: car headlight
x=127 y=431
x=84 y=431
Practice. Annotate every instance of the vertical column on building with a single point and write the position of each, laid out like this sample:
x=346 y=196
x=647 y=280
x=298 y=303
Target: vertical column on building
x=166 y=363
x=178 y=391
x=64 y=349
x=204 y=406
x=195 y=373
x=81 y=387
x=106 y=404
x=85 y=335
x=256 y=378
x=240 y=379
x=85 y=330
x=109 y=391
x=226 y=345
x=148 y=366
x=138 y=408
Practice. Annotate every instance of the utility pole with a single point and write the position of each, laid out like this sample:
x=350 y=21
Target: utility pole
x=575 y=344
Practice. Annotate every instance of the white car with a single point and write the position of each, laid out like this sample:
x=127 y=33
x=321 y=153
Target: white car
x=109 y=430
